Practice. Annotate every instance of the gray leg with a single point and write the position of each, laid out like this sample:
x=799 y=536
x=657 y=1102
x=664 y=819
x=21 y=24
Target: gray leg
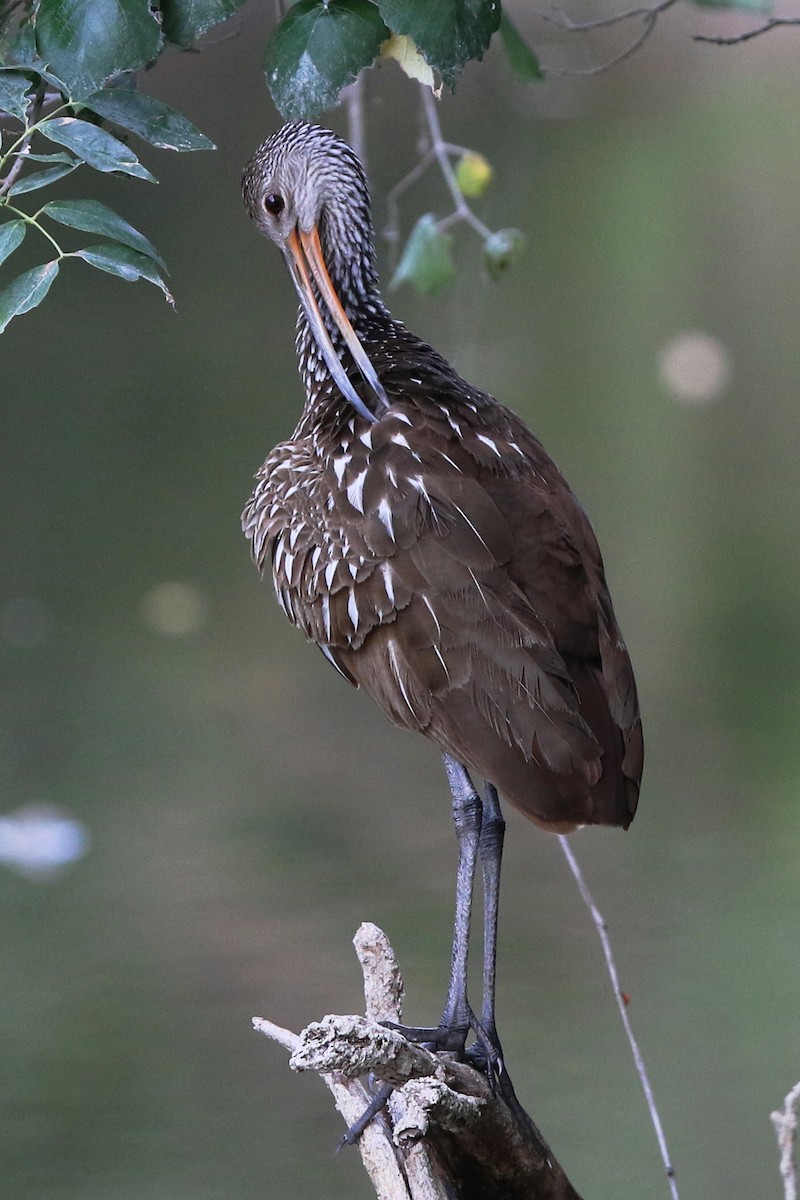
x=493 y=830
x=467 y=808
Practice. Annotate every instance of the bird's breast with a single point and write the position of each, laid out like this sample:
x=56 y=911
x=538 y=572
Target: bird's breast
x=329 y=519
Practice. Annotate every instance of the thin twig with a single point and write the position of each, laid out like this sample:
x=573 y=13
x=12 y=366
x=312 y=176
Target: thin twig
x=392 y=229
x=772 y=23
x=785 y=1124
x=649 y=26
x=32 y=117
x=356 y=126
x=438 y=151
x=462 y=211
x=611 y=966
x=555 y=16
x=648 y=13
x=284 y=1037
x=34 y=221
x=19 y=163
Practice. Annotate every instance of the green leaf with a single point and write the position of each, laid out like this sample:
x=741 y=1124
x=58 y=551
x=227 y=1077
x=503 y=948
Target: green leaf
x=39 y=179
x=318 y=49
x=151 y=119
x=26 y=291
x=501 y=250
x=87 y=41
x=14 y=91
x=95 y=146
x=126 y=263
x=23 y=47
x=426 y=261
x=31 y=62
x=185 y=20
x=449 y=32
x=521 y=59
x=60 y=156
x=11 y=234
x=94 y=217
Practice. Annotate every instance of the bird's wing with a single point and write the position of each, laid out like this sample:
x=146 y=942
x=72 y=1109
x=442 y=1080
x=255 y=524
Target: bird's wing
x=458 y=581
x=449 y=630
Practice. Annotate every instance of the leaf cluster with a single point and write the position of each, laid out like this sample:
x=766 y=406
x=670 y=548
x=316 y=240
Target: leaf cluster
x=320 y=46
x=68 y=100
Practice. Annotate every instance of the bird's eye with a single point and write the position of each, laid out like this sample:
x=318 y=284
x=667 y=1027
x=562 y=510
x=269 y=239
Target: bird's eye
x=274 y=204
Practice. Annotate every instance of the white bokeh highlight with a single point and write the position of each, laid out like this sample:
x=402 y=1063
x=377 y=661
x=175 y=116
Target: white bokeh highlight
x=694 y=367
x=41 y=841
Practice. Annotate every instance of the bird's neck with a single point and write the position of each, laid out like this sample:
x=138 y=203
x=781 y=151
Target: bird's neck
x=348 y=248
x=371 y=321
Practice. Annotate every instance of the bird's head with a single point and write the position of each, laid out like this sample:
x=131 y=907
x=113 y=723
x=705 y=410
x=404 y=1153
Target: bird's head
x=306 y=190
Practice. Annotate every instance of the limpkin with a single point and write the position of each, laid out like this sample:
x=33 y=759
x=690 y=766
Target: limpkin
x=420 y=534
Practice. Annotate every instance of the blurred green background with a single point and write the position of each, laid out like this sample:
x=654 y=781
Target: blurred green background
x=247 y=810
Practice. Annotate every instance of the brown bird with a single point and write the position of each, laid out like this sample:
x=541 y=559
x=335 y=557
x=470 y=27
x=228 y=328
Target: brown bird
x=420 y=534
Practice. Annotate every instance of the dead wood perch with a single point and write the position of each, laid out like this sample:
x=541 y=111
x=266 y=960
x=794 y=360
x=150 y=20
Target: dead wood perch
x=444 y=1134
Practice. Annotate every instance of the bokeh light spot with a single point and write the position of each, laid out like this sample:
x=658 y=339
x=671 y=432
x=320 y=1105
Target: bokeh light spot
x=41 y=841
x=695 y=367
x=174 y=609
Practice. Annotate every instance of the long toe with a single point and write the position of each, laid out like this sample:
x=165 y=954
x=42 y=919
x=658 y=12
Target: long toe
x=438 y=1038
x=375 y=1106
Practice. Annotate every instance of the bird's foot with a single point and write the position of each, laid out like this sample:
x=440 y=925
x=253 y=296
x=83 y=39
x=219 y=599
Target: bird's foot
x=485 y=1054
x=436 y=1038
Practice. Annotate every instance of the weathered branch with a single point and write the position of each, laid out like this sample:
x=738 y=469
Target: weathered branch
x=785 y=1124
x=444 y=1133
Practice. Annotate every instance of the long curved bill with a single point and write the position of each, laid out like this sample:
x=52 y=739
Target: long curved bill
x=306 y=261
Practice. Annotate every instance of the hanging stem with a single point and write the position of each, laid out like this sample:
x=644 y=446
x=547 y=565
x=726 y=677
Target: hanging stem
x=440 y=150
x=611 y=966
x=34 y=221
x=356 y=121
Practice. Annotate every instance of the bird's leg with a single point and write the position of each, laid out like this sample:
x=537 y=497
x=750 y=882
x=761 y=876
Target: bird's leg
x=487 y=1053
x=467 y=817
x=457 y=1017
x=490 y=849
